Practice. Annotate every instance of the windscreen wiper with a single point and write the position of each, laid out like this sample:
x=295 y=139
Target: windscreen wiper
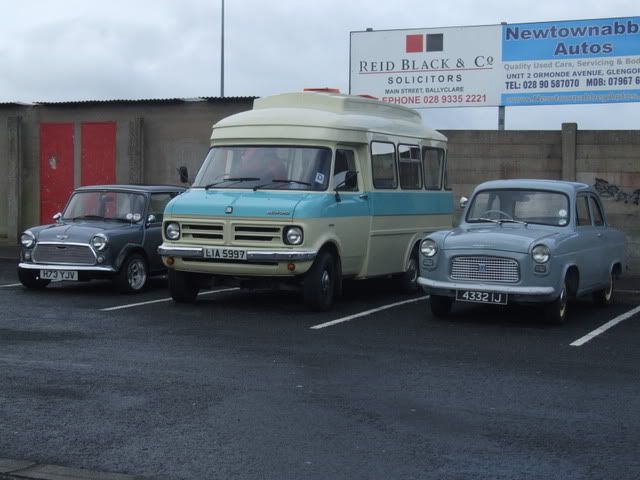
x=511 y=220
x=288 y=181
x=88 y=217
x=482 y=219
x=232 y=179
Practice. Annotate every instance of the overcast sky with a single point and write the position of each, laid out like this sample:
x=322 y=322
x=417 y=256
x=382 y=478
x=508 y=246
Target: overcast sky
x=68 y=50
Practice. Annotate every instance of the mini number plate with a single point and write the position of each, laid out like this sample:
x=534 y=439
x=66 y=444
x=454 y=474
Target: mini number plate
x=59 y=275
x=493 y=298
x=223 y=253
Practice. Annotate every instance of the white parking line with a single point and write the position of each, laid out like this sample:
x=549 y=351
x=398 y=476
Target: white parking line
x=10 y=285
x=366 y=312
x=605 y=327
x=131 y=305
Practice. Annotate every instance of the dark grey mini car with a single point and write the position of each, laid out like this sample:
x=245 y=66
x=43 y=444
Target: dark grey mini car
x=105 y=231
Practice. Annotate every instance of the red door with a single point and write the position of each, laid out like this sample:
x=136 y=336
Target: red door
x=56 y=168
x=98 y=156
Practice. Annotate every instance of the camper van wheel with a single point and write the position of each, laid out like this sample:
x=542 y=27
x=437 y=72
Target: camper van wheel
x=409 y=279
x=320 y=282
x=184 y=287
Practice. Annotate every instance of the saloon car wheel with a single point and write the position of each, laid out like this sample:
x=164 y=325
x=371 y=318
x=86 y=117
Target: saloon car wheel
x=184 y=287
x=605 y=296
x=31 y=279
x=409 y=279
x=132 y=276
x=556 y=311
x=440 y=305
x=320 y=282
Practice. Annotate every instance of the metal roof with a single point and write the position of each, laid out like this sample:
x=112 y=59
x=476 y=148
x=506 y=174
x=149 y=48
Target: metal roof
x=133 y=187
x=145 y=100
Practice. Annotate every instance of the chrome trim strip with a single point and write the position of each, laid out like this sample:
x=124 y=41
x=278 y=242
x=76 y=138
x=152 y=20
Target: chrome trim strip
x=252 y=255
x=483 y=287
x=81 y=268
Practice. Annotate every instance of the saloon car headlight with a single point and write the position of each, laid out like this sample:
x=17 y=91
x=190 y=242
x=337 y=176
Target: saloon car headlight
x=28 y=239
x=99 y=242
x=428 y=247
x=541 y=253
x=293 y=236
x=172 y=231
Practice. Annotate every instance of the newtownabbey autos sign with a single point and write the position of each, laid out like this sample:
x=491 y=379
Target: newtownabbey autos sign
x=550 y=63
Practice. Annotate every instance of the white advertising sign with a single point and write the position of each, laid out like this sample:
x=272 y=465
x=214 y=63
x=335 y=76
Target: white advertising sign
x=443 y=67
x=546 y=63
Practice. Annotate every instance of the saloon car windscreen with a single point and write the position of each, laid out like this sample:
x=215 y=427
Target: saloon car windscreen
x=104 y=205
x=529 y=206
x=265 y=167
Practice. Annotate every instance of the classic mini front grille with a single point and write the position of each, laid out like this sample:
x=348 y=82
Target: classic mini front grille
x=254 y=233
x=484 y=268
x=64 y=254
x=197 y=231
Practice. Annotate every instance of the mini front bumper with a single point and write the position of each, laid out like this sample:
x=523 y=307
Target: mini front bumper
x=252 y=255
x=449 y=288
x=80 y=268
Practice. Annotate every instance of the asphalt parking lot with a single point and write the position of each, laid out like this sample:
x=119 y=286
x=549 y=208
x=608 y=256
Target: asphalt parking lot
x=250 y=385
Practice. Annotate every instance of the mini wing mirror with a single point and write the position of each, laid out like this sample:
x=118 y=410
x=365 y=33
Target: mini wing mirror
x=57 y=217
x=464 y=201
x=151 y=219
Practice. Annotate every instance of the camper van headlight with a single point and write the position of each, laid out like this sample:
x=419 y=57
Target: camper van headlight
x=293 y=236
x=172 y=231
x=428 y=247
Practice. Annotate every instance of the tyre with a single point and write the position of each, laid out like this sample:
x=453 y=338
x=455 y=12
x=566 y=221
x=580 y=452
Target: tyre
x=440 y=305
x=604 y=297
x=320 y=283
x=183 y=286
x=31 y=279
x=556 y=311
x=133 y=274
x=409 y=279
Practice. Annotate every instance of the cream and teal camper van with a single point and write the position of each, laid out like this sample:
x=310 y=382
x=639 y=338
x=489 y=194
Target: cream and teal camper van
x=305 y=190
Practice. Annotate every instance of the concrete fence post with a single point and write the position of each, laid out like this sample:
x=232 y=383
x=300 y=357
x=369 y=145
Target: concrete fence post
x=136 y=150
x=14 y=175
x=569 y=142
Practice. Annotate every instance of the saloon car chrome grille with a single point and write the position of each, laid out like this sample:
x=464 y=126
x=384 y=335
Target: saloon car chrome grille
x=64 y=254
x=485 y=268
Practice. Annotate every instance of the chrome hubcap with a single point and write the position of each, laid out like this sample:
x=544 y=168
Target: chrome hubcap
x=136 y=275
x=563 y=301
x=609 y=291
x=412 y=269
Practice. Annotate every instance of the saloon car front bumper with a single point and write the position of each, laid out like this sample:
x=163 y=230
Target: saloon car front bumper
x=522 y=292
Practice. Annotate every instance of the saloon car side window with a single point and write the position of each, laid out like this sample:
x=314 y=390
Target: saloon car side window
x=596 y=211
x=582 y=211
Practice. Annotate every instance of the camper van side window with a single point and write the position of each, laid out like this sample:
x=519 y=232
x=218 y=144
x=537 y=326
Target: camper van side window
x=383 y=165
x=432 y=160
x=410 y=167
x=345 y=162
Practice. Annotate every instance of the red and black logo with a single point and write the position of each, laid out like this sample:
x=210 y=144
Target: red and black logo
x=431 y=42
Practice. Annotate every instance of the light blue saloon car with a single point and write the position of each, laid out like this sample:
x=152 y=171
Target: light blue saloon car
x=524 y=241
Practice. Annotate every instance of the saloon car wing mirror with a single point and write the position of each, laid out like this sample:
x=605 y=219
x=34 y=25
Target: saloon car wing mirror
x=464 y=201
x=57 y=217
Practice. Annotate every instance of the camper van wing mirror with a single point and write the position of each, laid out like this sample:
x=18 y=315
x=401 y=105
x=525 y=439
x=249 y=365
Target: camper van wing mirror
x=183 y=172
x=349 y=182
x=463 y=202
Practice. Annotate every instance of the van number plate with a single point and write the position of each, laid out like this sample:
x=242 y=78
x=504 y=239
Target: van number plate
x=494 y=298
x=220 y=253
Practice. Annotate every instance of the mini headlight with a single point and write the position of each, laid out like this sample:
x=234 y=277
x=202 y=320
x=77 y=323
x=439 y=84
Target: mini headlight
x=541 y=253
x=172 y=231
x=99 y=242
x=27 y=239
x=293 y=236
x=428 y=247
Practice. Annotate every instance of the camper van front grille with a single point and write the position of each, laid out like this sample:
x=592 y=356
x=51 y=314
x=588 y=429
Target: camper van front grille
x=257 y=233
x=197 y=231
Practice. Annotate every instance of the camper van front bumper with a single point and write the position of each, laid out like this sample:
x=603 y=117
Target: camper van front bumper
x=251 y=255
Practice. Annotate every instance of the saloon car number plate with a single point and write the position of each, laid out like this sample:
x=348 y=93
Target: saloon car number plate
x=59 y=275
x=474 y=296
x=223 y=253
